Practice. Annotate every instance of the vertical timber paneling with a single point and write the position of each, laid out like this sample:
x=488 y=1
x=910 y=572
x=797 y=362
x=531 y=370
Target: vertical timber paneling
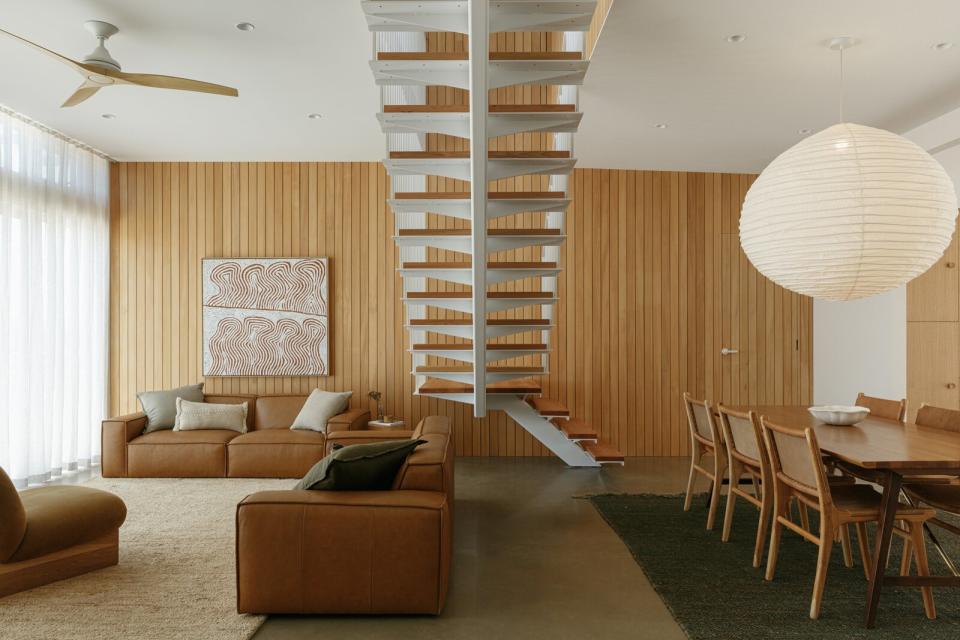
x=654 y=285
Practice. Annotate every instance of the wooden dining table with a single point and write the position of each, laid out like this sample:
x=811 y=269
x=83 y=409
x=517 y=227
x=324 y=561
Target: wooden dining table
x=891 y=450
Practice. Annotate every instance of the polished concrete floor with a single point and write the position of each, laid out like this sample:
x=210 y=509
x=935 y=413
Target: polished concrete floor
x=530 y=561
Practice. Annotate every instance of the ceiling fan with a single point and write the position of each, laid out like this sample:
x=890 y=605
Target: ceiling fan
x=99 y=69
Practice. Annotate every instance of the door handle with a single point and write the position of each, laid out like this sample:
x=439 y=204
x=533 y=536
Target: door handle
x=728 y=352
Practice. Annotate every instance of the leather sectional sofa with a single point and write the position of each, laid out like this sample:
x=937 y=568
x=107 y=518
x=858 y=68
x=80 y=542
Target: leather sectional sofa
x=353 y=552
x=269 y=449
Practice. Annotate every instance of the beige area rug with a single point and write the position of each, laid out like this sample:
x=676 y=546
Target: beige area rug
x=176 y=575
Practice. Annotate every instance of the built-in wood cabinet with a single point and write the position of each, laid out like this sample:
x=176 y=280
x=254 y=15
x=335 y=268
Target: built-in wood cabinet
x=933 y=334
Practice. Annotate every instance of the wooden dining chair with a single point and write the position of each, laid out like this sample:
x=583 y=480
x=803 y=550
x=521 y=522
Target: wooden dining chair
x=799 y=473
x=883 y=408
x=746 y=455
x=940 y=492
x=705 y=439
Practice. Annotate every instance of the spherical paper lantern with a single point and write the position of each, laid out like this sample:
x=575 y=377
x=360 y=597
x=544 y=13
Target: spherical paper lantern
x=848 y=213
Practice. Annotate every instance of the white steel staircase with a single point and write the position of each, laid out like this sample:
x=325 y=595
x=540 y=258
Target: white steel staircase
x=480 y=323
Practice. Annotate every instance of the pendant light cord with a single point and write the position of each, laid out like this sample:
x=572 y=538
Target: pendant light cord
x=843 y=117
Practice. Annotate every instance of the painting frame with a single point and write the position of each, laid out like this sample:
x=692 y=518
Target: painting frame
x=265 y=316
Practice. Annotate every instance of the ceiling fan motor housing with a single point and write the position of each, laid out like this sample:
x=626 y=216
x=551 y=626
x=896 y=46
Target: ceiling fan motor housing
x=100 y=56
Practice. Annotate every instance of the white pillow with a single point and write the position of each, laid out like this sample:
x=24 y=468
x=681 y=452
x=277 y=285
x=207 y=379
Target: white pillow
x=320 y=407
x=206 y=415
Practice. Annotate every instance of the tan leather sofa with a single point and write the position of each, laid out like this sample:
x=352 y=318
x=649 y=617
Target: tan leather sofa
x=353 y=552
x=269 y=449
x=56 y=532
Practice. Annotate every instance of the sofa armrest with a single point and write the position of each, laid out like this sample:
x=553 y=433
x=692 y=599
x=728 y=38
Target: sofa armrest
x=349 y=420
x=115 y=433
x=348 y=552
x=364 y=437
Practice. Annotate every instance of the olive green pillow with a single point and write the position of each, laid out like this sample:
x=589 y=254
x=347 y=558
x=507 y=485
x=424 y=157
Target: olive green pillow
x=360 y=467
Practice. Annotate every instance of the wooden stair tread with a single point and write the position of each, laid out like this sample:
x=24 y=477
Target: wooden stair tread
x=494 y=108
x=490 y=265
x=465 y=195
x=522 y=386
x=575 y=429
x=460 y=346
x=490 y=232
x=457 y=295
x=469 y=369
x=601 y=451
x=462 y=155
x=548 y=407
x=494 y=55
x=467 y=322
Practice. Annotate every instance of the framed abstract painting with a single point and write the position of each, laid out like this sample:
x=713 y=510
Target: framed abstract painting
x=265 y=316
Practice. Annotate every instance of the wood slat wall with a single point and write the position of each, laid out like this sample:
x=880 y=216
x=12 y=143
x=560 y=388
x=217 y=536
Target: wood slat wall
x=654 y=285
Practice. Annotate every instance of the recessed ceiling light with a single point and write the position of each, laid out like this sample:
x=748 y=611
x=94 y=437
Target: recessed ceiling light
x=804 y=131
x=736 y=38
x=108 y=116
x=661 y=125
x=246 y=26
x=942 y=46
x=314 y=116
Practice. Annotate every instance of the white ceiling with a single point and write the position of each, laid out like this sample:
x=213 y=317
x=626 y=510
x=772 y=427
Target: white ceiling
x=729 y=107
x=734 y=107
x=305 y=56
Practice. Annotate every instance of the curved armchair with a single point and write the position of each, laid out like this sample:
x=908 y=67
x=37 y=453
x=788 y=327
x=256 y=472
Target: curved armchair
x=57 y=532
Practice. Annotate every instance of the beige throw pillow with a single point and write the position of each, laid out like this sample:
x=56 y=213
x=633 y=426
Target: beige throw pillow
x=320 y=407
x=206 y=415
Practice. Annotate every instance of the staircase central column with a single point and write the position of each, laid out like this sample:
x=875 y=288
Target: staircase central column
x=479 y=42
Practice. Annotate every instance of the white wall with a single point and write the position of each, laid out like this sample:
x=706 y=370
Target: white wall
x=860 y=345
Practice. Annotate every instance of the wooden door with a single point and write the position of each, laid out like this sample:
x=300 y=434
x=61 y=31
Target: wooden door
x=935 y=295
x=767 y=331
x=933 y=364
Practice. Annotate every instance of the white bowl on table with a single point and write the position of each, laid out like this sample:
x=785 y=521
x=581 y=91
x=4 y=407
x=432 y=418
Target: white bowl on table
x=839 y=415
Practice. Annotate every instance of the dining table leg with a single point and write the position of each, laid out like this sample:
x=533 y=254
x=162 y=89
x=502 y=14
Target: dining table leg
x=888 y=512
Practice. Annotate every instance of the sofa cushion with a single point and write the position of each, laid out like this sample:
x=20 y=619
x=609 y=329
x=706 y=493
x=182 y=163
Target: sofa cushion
x=65 y=516
x=161 y=407
x=319 y=408
x=278 y=412
x=359 y=467
x=430 y=467
x=13 y=517
x=236 y=399
x=179 y=454
x=274 y=453
x=193 y=416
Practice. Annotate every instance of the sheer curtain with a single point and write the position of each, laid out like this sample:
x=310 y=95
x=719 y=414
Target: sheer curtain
x=54 y=270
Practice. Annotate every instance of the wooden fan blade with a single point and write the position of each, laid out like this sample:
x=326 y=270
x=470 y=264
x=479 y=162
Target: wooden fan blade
x=81 y=94
x=53 y=54
x=172 y=82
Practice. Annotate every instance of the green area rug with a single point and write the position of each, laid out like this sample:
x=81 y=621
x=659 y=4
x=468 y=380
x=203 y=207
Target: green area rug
x=714 y=592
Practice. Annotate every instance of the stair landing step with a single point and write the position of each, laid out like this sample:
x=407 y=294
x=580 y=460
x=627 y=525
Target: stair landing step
x=465 y=195
x=490 y=265
x=513 y=387
x=459 y=346
x=548 y=407
x=602 y=452
x=466 y=295
x=463 y=155
x=494 y=55
x=490 y=232
x=427 y=369
x=467 y=322
x=494 y=108
x=575 y=429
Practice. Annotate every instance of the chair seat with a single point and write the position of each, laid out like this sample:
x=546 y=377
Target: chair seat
x=62 y=517
x=280 y=436
x=861 y=502
x=942 y=496
x=198 y=436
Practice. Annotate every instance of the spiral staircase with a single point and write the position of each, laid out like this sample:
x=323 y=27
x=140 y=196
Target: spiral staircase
x=479 y=295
